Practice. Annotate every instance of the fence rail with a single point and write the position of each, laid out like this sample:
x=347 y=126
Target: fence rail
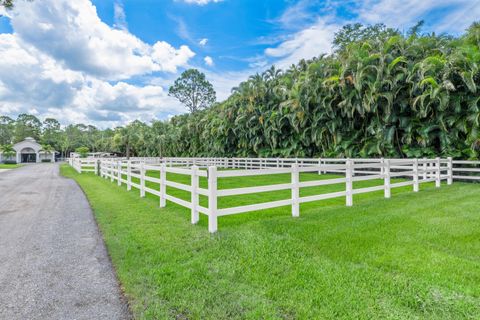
x=414 y=171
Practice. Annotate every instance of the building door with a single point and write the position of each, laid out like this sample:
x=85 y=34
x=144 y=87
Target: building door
x=29 y=157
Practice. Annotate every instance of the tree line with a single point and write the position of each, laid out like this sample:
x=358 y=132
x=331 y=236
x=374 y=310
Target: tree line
x=380 y=93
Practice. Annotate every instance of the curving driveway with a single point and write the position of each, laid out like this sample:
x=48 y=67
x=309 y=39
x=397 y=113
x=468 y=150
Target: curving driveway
x=53 y=262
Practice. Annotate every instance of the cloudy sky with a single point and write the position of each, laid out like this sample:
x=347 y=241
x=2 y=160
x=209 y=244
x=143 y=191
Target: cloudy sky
x=108 y=62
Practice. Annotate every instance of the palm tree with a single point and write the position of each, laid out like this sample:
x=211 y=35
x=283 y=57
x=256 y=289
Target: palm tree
x=47 y=149
x=7 y=151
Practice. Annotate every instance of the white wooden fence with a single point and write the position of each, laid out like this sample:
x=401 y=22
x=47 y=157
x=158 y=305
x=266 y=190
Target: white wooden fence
x=414 y=171
x=83 y=165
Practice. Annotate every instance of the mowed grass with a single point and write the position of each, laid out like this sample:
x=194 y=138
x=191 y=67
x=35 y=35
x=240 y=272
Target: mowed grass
x=9 y=166
x=414 y=256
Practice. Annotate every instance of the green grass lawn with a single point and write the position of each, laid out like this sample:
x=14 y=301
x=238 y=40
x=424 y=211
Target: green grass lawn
x=9 y=166
x=414 y=256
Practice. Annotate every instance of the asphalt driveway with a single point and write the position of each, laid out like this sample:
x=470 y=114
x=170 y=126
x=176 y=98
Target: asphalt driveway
x=53 y=262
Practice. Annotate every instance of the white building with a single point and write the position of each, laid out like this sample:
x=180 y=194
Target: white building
x=29 y=150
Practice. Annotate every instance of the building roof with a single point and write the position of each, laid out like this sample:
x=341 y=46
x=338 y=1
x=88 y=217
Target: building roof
x=28 y=142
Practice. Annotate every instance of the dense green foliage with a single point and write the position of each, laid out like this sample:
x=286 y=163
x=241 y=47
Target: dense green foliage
x=381 y=93
x=393 y=258
x=6 y=3
x=391 y=95
x=7 y=150
x=50 y=133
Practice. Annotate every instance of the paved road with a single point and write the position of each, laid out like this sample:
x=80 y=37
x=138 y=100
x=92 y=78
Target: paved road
x=53 y=262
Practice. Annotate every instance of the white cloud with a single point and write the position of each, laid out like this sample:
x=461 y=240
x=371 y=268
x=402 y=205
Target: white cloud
x=119 y=16
x=208 y=61
x=168 y=58
x=305 y=44
x=459 y=20
x=200 y=2
x=316 y=38
x=460 y=13
x=63 y=62
x=203 y=42
x=33 y=82
x=295 y=15
x=73 y=34
x=223 y=82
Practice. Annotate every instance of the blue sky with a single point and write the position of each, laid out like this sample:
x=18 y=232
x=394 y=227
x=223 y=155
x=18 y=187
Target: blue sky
x=108 y=62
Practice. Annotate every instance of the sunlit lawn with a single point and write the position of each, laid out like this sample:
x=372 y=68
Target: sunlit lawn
x=9 y=166
x=416 y=255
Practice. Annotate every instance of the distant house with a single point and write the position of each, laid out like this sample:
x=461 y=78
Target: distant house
x=28 y=151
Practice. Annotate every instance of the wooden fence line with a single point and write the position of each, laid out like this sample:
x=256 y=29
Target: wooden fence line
x=418 y=171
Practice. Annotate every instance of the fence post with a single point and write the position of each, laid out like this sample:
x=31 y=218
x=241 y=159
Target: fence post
x=119 y=173
x=386 y=176
x=129 y=175
x=212 y=199
x=353 y=167
x=142 y=179
x=425 y=167
x=415 y=175
x=319 y=165
x=437 y=173
x=112 y=171
x=349 y=183
x=295 y=190
x=194 y=194
x=450 y=171
x=96 y=167
x=382 y=168
x=163 y=185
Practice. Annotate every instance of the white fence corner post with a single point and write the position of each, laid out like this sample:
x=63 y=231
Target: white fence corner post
x=119 y=173
x=212 y=200
x=142 y=179
x=163 y=185
x=450 y=171
x=382 y=168
x=386 y=178
x=194 y=194
x=437 y=173
x=415 y=175
x=129 y=175
x=295 y=190
x=349 y=182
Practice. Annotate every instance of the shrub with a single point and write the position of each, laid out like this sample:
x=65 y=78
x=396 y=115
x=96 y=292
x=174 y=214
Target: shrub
x=46 y=160
x=82 y=151
x=10 y=162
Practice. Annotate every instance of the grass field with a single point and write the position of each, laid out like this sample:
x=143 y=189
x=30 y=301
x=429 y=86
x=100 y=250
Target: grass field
x=412 y=256
x=9 y=166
